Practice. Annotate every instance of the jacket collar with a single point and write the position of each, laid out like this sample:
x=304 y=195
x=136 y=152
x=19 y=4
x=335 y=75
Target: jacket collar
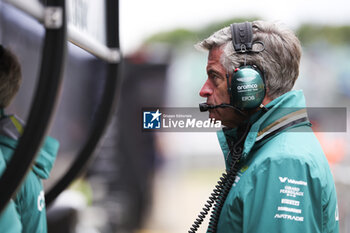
x=11 y=128
x=10 y=125
x=284 y=112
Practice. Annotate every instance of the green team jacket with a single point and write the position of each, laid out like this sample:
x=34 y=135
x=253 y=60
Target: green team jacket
x=284 y=184
x=9 y=218
x=26 y=213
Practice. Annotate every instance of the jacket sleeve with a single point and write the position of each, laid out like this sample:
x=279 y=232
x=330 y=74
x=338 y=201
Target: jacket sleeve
x=9 y=218
x=288 y=195
x=30 y=201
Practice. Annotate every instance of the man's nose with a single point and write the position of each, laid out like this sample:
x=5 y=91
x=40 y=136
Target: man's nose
x=206 y=90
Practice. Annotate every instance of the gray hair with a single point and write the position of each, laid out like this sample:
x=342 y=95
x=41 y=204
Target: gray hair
x=10 y=76
x=279 y=61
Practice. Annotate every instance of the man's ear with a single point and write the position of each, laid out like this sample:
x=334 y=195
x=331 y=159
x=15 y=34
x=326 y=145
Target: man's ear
x=266 y=100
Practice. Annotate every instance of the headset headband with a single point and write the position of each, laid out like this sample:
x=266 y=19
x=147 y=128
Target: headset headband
x=242 y=36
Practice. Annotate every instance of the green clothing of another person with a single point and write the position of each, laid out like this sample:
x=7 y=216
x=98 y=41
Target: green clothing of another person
x=29 y=201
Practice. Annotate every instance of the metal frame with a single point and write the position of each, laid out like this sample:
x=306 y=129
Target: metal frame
x=105 y=109
x=43 y=104
x=32 y=8
x=110 y=53
x=106 y=53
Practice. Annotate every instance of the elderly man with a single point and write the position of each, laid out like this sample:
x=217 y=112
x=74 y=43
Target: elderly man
x=277 y=177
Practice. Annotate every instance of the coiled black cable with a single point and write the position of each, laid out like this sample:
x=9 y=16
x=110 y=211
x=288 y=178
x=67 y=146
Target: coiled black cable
x=211 y=200
x=222 y=189
x=231 y=176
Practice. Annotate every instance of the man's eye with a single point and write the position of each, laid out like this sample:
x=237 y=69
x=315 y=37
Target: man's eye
x=214 y=77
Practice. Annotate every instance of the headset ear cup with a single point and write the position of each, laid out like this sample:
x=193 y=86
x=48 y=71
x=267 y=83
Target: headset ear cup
x=247 y=88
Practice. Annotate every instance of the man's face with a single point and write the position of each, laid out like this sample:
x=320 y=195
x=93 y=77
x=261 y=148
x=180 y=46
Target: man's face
x=215 y=90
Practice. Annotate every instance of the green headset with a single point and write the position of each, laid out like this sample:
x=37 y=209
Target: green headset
x=247 y=89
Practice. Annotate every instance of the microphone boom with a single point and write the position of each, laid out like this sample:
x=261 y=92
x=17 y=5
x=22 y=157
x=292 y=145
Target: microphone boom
x=203 y=107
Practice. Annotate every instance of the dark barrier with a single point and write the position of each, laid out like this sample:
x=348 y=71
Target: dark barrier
x=104 y=110
x=42 y=106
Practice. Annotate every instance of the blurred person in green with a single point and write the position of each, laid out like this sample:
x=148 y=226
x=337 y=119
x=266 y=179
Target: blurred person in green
x=278 y=178
x=26 y=211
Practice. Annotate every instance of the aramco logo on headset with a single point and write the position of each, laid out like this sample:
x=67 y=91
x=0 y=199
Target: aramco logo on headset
x=178 y=120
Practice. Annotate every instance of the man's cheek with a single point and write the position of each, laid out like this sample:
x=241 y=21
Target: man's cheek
x=212 y=114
